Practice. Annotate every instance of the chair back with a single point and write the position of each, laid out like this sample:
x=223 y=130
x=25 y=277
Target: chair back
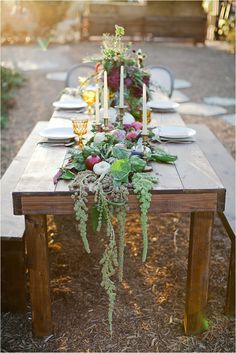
x=76 y=71
x=161 y=79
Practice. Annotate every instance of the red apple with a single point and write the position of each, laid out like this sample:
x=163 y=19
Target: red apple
x=91 y=161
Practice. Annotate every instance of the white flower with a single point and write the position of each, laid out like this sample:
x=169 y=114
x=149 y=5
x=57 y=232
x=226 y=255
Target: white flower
x=99 y=137
x=101 y=168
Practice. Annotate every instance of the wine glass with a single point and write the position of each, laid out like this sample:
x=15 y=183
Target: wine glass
x=80 y=128
x=89 y=96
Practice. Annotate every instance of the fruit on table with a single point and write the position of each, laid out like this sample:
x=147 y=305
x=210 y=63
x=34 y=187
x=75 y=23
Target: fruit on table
x=90 y=161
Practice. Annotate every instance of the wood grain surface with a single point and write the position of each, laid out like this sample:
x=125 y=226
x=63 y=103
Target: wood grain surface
x=191 y=173
x=13 y=227
x=37 y=260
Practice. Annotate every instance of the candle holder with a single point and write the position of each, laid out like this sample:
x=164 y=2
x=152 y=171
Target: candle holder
x=105 y=126
x=120 y=114
x=145 y=143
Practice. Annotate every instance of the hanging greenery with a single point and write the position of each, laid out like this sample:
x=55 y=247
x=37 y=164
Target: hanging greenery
x=143 y=184
x=109 y=171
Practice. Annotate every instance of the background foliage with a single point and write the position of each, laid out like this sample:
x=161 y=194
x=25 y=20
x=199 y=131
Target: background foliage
x=10 y=80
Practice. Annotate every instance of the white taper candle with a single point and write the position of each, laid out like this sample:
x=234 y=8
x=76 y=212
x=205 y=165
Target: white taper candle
x=97 y=106
x=105 y=93
x=121 y=86
x=144 y=131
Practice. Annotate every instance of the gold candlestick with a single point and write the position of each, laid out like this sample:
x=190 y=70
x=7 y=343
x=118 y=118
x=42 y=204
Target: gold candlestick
x=120 y=114
x=145 y=143
x=105 y=126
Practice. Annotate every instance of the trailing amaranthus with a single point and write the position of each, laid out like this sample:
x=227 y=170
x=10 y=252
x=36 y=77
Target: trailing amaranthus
x=143 y=184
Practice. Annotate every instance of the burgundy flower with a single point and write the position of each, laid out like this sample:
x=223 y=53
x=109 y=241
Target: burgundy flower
x=146 y=80
x=128 y=126
x=137 y=91
x=113 y=79
x=128 y=82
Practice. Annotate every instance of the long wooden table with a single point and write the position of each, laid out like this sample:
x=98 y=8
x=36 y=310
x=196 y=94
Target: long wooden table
x=190 y=185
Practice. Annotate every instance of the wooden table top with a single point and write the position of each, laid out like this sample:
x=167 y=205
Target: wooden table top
x=191 y=175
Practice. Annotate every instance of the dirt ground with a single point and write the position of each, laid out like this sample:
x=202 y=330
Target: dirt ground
x=149 y=309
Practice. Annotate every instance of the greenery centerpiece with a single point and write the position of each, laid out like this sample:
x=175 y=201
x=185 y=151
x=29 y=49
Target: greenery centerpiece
x=110 y=167
x=114 y=54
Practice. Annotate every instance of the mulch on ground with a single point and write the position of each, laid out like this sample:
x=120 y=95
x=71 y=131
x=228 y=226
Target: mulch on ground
x=149 y=309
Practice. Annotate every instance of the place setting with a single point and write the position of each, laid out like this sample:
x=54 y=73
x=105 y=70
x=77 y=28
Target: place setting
x=163 y=106
x=173 y=134
x=57 y=137
x=68 y=106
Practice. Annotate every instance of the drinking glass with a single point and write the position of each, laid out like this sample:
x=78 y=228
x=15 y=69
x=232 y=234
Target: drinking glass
x=80 y=128
x=89 y=96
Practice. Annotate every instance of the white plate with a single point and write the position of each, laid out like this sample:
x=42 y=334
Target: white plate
x=174 y=132
x=75 y=104
x=163 y=105
x=58 y=133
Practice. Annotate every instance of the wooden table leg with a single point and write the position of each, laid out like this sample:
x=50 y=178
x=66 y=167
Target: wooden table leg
x=198 y=273
x=230 y=296
x=37 y=259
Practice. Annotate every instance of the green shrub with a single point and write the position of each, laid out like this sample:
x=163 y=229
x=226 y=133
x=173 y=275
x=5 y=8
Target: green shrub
x=10 y=80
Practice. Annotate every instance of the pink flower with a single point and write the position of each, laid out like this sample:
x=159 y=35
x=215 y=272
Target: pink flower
x=132 y=135
x=137 y=125
x=110 y=126
x=113 y=79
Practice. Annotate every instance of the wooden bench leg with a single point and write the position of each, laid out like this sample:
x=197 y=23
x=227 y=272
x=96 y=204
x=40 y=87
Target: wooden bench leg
x=13 y=279
x=230 y=296
x=198 y=273
x=37 y=258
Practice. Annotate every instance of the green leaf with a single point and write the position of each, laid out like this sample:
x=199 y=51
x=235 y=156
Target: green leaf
x=67 y=175
x=137 y=164
x=88 y=151
x=76 y=165
x=120 y=170
x=120 y=153
x=160 y=155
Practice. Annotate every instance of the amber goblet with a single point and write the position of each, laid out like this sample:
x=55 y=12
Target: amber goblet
x=89 y=96
x=80 y=128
